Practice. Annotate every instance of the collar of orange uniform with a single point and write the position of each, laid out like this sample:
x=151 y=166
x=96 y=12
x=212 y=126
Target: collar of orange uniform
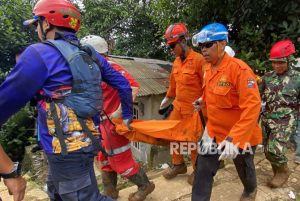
x=222 y=65
x=190 y=56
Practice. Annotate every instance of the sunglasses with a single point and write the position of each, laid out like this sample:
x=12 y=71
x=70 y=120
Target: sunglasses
x=172 y=45
x=206 y=45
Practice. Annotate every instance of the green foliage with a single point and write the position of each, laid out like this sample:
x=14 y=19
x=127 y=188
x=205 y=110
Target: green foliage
x=254 y=25
x=3 y=74
x=12 y=32
x=17 y=133
x=137 y=27
x=128 y=24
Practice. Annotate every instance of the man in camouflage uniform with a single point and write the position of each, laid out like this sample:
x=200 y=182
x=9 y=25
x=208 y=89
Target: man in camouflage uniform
x=280 y=90
x=296 y=137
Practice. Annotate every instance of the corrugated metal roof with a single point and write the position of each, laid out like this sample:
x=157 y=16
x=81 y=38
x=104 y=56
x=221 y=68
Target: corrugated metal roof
x=152 y=78
x=143 y=60
x=150 y=87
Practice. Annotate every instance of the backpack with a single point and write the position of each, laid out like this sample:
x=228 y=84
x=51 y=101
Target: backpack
x=86 y=95
x=86 y=98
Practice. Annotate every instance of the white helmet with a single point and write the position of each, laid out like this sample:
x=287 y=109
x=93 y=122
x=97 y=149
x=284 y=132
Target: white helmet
x=97 y=42
x=229 y=51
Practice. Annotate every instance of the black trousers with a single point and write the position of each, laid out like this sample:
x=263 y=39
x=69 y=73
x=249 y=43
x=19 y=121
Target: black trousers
x=207 y=167
x=72 y=177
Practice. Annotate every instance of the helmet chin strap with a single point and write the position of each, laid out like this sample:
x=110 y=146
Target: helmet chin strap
x=183 y=51
x=220 y=52
x=44 y=33
x=220 y=55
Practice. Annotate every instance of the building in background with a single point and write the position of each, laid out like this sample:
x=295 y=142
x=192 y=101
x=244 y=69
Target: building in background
x=153 y=77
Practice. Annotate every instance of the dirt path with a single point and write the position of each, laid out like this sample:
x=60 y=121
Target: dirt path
x=226 y=187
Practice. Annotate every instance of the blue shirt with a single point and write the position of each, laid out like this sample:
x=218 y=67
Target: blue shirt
x=41 y=67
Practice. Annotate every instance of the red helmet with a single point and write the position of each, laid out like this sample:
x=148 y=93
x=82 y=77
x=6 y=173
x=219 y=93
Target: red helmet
x=282 y=49
x=175 y=31
x=61 y=13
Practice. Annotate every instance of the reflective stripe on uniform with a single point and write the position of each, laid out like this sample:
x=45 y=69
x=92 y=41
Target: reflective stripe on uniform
x=105 y=163
x=127 y=172
x=119 y=150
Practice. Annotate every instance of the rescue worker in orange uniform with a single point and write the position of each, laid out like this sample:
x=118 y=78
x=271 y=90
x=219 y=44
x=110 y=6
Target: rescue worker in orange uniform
x=185 y=87
x=232 y=100
x=121 y=160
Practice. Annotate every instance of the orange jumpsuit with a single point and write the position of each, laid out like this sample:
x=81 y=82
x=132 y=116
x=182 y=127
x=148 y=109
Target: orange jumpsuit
x=233 y=102
x=186 y=86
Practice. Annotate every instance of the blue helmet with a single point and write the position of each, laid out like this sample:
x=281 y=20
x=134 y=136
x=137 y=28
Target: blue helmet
x=209 y=33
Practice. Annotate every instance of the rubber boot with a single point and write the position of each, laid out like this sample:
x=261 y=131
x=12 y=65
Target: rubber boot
x=274 y=170
x=248 y=196
x=172 y=172
x=145 y=187
x=109 y=181
x=191 y=178
x=281 y=176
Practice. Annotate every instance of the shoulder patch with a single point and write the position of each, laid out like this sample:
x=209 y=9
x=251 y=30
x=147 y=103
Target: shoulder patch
x=251 y=83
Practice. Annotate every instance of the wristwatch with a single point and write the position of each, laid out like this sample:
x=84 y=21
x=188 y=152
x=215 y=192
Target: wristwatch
x=15 y=172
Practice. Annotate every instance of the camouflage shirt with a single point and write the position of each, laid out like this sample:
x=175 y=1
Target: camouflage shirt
x=281 y=93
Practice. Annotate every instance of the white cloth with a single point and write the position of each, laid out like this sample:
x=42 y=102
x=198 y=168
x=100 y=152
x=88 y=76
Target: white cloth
x=127 y=122
x=198 y=104
x=229 y=51
x=230 y=151
x=166 y=102
x=206 y=143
